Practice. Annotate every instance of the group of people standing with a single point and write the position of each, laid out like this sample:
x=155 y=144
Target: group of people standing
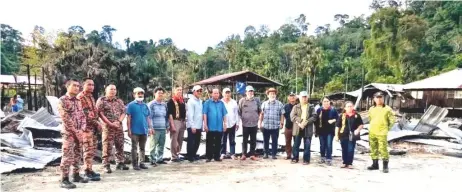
x=16 y=103
x=219 y=118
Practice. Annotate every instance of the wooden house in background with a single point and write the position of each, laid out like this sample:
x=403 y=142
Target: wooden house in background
x=443 y=90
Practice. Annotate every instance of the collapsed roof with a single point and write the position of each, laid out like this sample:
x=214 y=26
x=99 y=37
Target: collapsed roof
x=369 y=90
x=245 y=76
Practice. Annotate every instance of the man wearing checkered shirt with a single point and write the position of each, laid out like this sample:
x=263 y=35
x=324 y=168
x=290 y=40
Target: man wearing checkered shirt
x=270 y=121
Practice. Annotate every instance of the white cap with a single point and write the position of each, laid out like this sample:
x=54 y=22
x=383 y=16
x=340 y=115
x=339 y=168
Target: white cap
x=226 y=90
x=196 y=87
x=138 y=89
x=303 y=94
x=249 y=88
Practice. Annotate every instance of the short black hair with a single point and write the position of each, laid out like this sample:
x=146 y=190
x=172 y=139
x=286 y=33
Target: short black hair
x=68 y=82
x=86 y=78
x=159 y=89
x=110 y=84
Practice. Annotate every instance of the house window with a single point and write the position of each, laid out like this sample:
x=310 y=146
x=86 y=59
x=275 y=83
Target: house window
x=450 y=94
x=417 y=94
x=457 y=94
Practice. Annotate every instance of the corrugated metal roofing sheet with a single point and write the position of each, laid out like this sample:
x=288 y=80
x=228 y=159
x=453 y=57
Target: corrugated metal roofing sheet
x=430 y=119
x=440 y=143
x=9 y=79
x=42 y=116
x=448 y=80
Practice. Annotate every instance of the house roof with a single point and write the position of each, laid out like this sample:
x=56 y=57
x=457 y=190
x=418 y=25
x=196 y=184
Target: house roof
x=10 y=79
x=449 y=80
x=243 y=76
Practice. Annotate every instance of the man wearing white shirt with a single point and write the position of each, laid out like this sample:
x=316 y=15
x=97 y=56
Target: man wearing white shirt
x=232 y=118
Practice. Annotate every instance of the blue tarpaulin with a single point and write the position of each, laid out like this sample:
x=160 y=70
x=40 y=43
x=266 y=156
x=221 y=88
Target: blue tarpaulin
x=240 y=88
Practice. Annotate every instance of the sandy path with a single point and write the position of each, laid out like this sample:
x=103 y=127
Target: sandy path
x=407 y=173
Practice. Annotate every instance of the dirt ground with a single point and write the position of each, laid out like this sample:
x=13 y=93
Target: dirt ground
x=407 y=173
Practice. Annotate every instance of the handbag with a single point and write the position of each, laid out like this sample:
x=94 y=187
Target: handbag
x=354 y=137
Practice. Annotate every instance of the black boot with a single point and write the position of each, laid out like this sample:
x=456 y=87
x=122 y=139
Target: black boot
x=65 y=183
x=385 y=165
x=122 y=166
x=78 y=179
x=375 y=165
x=92 y=176
x=95 y=173
x=107 y=169
x=142 y=166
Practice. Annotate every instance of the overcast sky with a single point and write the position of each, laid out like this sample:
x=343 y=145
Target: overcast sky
x=192 y=24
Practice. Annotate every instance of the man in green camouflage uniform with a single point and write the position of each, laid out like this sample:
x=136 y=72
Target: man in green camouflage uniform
x=381 y=120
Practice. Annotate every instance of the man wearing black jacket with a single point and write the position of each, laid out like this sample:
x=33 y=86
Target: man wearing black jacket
x=288 y=126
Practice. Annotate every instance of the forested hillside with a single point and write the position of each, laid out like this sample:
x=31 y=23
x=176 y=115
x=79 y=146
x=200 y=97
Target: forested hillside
x=398 y=43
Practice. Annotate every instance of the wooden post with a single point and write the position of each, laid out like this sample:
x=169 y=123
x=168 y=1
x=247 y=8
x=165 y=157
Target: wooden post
x=362 y=87
x=2 y=96
x=57 y=86
x=35 y=93
x=44 y=89
x=29 y=95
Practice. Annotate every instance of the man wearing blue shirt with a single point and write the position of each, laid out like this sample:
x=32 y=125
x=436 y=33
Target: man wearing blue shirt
x=139 y=125
x=214 y=111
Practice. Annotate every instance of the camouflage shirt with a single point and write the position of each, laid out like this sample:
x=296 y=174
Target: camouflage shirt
x=111 y=108
x=71 y=111
x=89 y=108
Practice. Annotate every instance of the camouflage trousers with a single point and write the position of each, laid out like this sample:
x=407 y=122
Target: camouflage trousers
x=89 y=143
x=71 y=152
x=379 y=146
x=113 y=136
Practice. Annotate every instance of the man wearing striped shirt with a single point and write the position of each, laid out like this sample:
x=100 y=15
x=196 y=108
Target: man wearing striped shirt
x=160 y=124
x=271 y=120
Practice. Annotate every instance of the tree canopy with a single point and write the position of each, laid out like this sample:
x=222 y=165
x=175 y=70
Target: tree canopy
x=395 y=44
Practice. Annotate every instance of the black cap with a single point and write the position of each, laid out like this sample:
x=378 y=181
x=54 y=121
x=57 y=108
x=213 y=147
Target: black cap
x=292 y=94
x=378 y=94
